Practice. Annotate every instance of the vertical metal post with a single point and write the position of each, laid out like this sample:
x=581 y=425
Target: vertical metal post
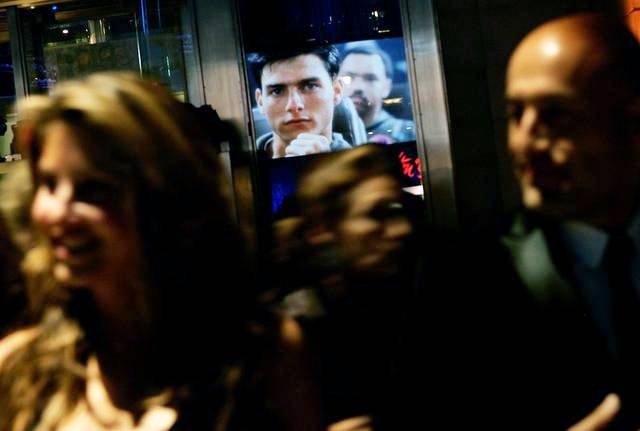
x=16 y=40
x=191 y=53
x=142 y=23
x=428 y=93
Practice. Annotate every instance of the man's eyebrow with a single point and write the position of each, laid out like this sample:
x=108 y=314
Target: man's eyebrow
x=275 y=86
x=310 y=80
x=299 y=83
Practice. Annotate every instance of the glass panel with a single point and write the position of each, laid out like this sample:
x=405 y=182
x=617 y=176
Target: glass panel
x=68 y=40
x=371 y=74
x=7 y=90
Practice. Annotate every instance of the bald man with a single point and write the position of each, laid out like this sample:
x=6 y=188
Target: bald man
x=573 y=96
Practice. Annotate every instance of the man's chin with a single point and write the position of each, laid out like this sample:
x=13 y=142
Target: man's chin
x=362 y=109
x=290 y=132
x=550 y=204
x=531 y=197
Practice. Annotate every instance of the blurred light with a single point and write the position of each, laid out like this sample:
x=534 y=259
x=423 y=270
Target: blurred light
x=550 y=48
x=65 y=31
x=346 y=80
x=54 y=7
x=392 y=101
x=375 y=13
x=32 y=7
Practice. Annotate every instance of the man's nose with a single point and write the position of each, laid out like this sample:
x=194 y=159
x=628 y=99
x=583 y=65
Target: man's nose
x=532 y=131
x=295 y=102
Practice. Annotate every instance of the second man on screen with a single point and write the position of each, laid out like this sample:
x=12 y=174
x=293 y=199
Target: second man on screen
x=367 y=73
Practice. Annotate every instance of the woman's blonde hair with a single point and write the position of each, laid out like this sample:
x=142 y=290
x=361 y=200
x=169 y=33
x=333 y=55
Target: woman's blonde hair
x=142 y=135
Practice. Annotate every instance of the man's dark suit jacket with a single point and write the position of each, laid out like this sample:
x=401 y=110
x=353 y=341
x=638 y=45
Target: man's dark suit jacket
x=515 y=345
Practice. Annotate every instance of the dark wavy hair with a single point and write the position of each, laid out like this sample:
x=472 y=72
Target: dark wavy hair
x=327 y=53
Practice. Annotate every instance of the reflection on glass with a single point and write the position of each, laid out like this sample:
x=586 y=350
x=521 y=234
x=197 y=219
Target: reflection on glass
x=7 y=91
x=282 y=174
x=76 y=38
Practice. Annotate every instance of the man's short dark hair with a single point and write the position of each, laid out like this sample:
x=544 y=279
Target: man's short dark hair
x=368 y=50
x=327 y=53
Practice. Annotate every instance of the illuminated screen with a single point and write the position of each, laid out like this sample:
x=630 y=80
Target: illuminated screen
x=373 y=105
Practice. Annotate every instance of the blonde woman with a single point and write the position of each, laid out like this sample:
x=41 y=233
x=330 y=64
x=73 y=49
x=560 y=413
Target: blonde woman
x=140 y=278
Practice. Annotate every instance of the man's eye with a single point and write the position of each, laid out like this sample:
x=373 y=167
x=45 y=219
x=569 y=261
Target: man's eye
x=559 y=118
x=275 y=92
x=311 y=86
x=514 y=112
x=370 y=77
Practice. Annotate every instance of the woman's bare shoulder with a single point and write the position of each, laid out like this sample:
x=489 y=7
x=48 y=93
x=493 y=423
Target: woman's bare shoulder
x=15 y=340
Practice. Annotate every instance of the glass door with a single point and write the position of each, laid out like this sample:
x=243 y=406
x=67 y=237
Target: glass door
x=71 y=39
x=7 y=90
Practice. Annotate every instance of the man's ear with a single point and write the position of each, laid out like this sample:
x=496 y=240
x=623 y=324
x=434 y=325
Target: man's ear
x=337 y=91
x=388 y=85
x=259 y=100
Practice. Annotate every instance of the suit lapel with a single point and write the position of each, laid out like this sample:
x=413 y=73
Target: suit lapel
x=534 y=263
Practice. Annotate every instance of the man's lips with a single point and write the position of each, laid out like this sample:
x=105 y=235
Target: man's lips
x=547 y=179
x=359 y=100
x=297 y=121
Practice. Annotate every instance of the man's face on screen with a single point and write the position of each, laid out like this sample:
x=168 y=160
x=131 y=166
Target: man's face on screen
x=298 y=96
x=366 y=83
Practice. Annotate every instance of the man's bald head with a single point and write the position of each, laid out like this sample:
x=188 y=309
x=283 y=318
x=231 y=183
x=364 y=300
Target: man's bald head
x=594 y=52
x=572 y=90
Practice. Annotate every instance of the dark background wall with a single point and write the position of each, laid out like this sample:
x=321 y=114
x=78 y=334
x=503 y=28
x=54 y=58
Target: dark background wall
x=477 y=38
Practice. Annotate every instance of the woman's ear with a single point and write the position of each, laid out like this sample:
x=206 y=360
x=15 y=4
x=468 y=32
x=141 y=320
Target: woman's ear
x=319 y=235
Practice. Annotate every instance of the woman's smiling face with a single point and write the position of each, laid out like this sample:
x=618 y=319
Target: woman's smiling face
x=88 y=215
